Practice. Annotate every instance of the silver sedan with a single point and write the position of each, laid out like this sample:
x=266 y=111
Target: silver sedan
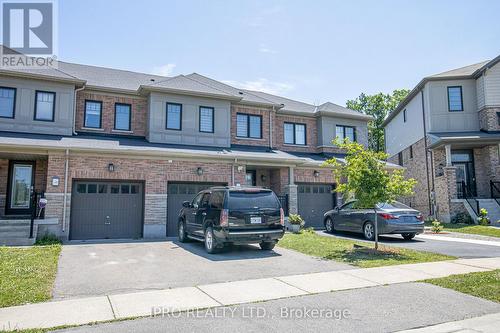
x=393 y=218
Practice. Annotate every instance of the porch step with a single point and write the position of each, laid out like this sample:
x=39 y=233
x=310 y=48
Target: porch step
x=492 y=207
x=24 y=241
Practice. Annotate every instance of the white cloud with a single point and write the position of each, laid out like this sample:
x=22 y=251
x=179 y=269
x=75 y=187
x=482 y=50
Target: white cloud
x=165 y=70
x=263 y=84
x=265 y=49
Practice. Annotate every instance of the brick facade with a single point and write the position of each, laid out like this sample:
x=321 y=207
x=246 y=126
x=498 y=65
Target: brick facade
x=138 y=112
x=488 y=119
x=251 y=110
x=311 y=133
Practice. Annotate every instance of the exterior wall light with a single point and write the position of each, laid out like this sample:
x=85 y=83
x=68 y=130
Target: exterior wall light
x=111 y=167
x=316 y=173
x=263 y=178
x=199 y=171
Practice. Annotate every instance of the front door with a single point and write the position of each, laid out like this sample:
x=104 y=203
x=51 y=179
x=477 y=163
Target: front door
x=250 y=178
x=464 y=162
x=20 y=187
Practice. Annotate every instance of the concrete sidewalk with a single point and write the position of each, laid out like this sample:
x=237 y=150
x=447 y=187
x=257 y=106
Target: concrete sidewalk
x=95 y=309
x=485 y=324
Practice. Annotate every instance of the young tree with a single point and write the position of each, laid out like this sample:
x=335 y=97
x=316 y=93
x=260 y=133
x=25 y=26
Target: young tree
x=364 y=175
x=378 y=106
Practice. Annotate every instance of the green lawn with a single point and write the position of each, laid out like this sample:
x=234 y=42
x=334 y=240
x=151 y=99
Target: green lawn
x=471 y=229
x=354 y=252
x=481 y=284
x=27 y=274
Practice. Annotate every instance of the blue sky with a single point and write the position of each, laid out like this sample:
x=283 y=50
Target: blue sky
x=314 y=51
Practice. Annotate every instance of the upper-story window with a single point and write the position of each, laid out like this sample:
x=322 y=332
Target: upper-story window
x=455 y=99
x=248 y=126
x=206 y=119
x=123 y=116
x=93 y=112
x=400 y=158
x=174 y=116
x=295 y=134
x=45 y=103
x=345 y=132
x=7 y=102
x=404 y=116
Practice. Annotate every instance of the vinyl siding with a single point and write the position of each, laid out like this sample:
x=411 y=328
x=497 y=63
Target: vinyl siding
x=442 y=120
x=492 y=85
x=400 y=135
x=25 y=107
x=481 y=98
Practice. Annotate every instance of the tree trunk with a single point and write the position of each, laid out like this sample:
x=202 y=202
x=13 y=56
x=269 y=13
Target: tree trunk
x=376 y=229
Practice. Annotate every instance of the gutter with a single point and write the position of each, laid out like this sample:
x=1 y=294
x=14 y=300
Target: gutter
x=66 y=167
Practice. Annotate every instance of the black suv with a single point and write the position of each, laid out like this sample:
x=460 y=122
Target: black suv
x=232 y=215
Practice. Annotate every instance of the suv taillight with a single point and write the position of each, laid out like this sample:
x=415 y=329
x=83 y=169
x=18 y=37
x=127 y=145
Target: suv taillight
x=282 y=217
x=224 y=218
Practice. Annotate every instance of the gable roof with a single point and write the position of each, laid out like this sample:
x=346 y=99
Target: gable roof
x=467 y=72
x=124 y=81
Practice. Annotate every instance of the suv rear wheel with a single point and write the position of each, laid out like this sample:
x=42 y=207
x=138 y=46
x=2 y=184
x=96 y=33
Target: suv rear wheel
x=210 y=242
x=267 y=246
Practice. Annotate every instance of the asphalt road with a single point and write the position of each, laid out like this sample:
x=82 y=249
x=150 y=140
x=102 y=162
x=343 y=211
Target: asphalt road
x=376 y=309
x=457 y=249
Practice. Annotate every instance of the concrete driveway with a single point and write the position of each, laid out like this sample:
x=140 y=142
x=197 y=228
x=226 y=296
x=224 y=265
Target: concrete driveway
x=457 y=249
x=87 y=269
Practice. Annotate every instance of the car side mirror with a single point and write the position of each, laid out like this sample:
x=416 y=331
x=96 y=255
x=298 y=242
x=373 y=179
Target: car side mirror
x=186 y=204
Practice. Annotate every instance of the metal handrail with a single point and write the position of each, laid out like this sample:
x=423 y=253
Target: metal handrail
x=495 y=191
x=473 y=202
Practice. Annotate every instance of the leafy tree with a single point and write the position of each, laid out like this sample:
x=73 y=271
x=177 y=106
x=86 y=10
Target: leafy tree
x=378 y=106
x=367 y=179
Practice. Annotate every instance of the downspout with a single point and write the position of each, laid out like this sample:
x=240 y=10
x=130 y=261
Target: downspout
x=232 y=171
x=74 y=108
x=66 y=167
x=431 y=210
x=271 y=129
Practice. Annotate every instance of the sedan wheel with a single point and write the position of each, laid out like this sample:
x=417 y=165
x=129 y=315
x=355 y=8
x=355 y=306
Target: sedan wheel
x=369 y=231
x=408 y=236
x=329 y=226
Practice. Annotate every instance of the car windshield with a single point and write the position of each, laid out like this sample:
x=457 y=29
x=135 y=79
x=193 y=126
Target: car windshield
x=252 y=199
x=393 y=205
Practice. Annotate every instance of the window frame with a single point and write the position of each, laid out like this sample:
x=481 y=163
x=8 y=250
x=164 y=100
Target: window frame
x=404 y=116
x=295 y=134
x=14 y=105
x=400 y=158
x=129 y=117
x=461 y=99
x=166 y=117
x=343 y=131
x=199 y=118
x=498 y=118
x=85 y=114
x=247 y=115
x=53 y=93
x=411 y=151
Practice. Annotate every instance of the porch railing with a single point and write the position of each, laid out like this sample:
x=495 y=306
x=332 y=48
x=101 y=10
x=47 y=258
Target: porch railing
x=36 y=211
x=467 y=195
x=284 y=203
x=495 y=191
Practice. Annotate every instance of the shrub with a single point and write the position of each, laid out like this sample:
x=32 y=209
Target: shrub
x=483 y=218
x=48 y=239
x=296 y=219
x=436 y=227
x=462 y=218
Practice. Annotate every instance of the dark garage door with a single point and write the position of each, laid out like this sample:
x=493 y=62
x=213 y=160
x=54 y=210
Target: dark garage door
x=106 y=210
x=177 y=194
x=313 y=201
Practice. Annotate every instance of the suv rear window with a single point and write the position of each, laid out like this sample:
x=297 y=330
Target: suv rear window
x=251 y=199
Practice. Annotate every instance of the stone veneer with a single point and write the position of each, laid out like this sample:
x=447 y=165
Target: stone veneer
x=488 y=119
x=138 y=112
